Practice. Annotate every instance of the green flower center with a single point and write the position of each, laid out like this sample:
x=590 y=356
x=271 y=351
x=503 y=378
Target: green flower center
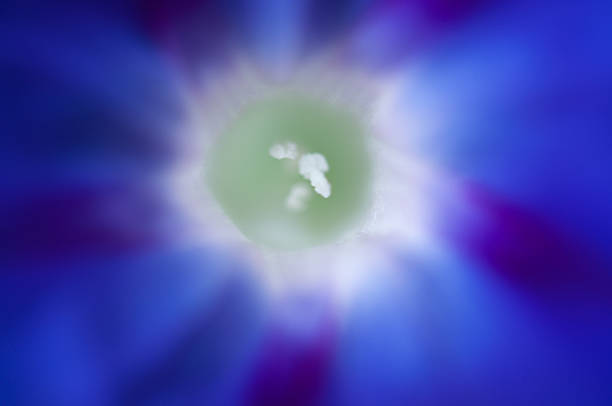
x=267 y=171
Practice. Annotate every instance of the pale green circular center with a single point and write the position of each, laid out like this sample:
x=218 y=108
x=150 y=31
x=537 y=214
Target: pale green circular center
x=253 y=187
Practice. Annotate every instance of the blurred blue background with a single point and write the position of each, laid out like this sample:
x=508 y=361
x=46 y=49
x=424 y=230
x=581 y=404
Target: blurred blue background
x=105 y=301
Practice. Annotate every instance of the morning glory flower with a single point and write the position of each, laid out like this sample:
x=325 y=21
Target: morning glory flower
x=305 y=203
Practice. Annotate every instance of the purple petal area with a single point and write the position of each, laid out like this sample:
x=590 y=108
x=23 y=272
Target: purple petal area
x=292 y=370
x=528 y=251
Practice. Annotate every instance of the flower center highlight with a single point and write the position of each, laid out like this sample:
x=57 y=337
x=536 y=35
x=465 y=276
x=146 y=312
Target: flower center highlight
x=291 y=172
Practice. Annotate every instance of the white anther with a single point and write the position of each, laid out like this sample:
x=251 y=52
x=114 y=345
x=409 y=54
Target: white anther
x=284 y=151
x=298 y=197
x=313 y=167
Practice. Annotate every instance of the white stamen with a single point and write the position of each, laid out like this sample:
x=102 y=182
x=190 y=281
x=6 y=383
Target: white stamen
x=284 y=151
x=313 y=167
x=298 y=197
